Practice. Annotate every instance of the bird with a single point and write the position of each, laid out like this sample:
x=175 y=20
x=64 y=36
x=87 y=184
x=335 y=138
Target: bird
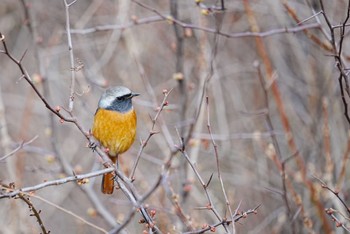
x=114 y=127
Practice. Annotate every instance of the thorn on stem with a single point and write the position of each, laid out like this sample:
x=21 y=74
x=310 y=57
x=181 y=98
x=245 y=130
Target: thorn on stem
x=211 y=176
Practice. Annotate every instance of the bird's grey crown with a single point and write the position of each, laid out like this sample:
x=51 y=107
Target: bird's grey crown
x=110 y=99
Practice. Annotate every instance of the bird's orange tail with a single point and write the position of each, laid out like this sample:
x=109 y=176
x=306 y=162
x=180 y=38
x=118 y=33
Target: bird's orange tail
x=107 y=185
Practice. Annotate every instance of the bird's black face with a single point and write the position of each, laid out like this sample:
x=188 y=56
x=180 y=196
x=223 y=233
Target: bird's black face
x=117 y=99
x=122 y=103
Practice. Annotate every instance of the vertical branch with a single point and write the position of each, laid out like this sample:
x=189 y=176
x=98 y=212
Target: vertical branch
x=337 y=54
x=179 y=69
x=180 y=77
x=71 y=55
x=151 y=132
x=210 y=205
x=218 y=164
x=277 y=152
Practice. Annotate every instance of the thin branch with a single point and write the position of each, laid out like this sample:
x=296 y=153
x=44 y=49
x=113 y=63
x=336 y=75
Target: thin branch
x=135 y=200
x=337 y=222
x=336 y=193
x=215 y=146
x=30 y=194
x=210 y=205
x=36 y=213
x=26 y=76
x=238 y=217
x=80 y=178
x=71 y=55
x=151 y=132
x=308 y=18
x=68 y=212
x=164 y=17
x=337 y=51
x=276 y=149
x=19 y=147
x=230 y=35
x=135 y=22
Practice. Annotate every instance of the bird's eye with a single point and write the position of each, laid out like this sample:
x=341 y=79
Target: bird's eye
x=124 y=97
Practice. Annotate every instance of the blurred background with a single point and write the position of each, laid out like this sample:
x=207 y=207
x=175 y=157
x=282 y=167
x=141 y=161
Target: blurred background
x=275 y=108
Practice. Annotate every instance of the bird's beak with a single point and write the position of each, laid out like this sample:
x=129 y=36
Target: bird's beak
x=134 y=94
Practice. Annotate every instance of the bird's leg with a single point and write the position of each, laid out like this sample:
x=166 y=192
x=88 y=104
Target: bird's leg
x=93 y=144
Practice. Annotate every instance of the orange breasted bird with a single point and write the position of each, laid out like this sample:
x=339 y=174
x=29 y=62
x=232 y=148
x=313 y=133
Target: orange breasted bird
x=115 y=126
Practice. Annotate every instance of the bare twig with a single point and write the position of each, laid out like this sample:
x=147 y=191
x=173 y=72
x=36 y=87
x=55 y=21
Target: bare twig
x=323 y=44
x=30 y=194
x=217 y=163
x=68 y=212
x=36 y=212
x=80 y=178
x=135 y=22
x=231 y=35
x=26 y=76
x=277 y=150
x=162 y=17
x=236 y=218
x=331 y=212
x=135 y=200
x=151 y=132
x=337 y=54
x=71 y=55
x=19 y=147
x=336 y=193
x=179 y=68
x=210 y=205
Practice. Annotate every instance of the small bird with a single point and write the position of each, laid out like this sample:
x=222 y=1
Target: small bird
x=114 y=126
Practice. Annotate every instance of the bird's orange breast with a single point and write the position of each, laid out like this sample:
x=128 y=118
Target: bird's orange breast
x=114 y=130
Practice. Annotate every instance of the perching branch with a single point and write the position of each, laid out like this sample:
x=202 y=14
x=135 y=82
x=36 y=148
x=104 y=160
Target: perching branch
x=81 y=179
